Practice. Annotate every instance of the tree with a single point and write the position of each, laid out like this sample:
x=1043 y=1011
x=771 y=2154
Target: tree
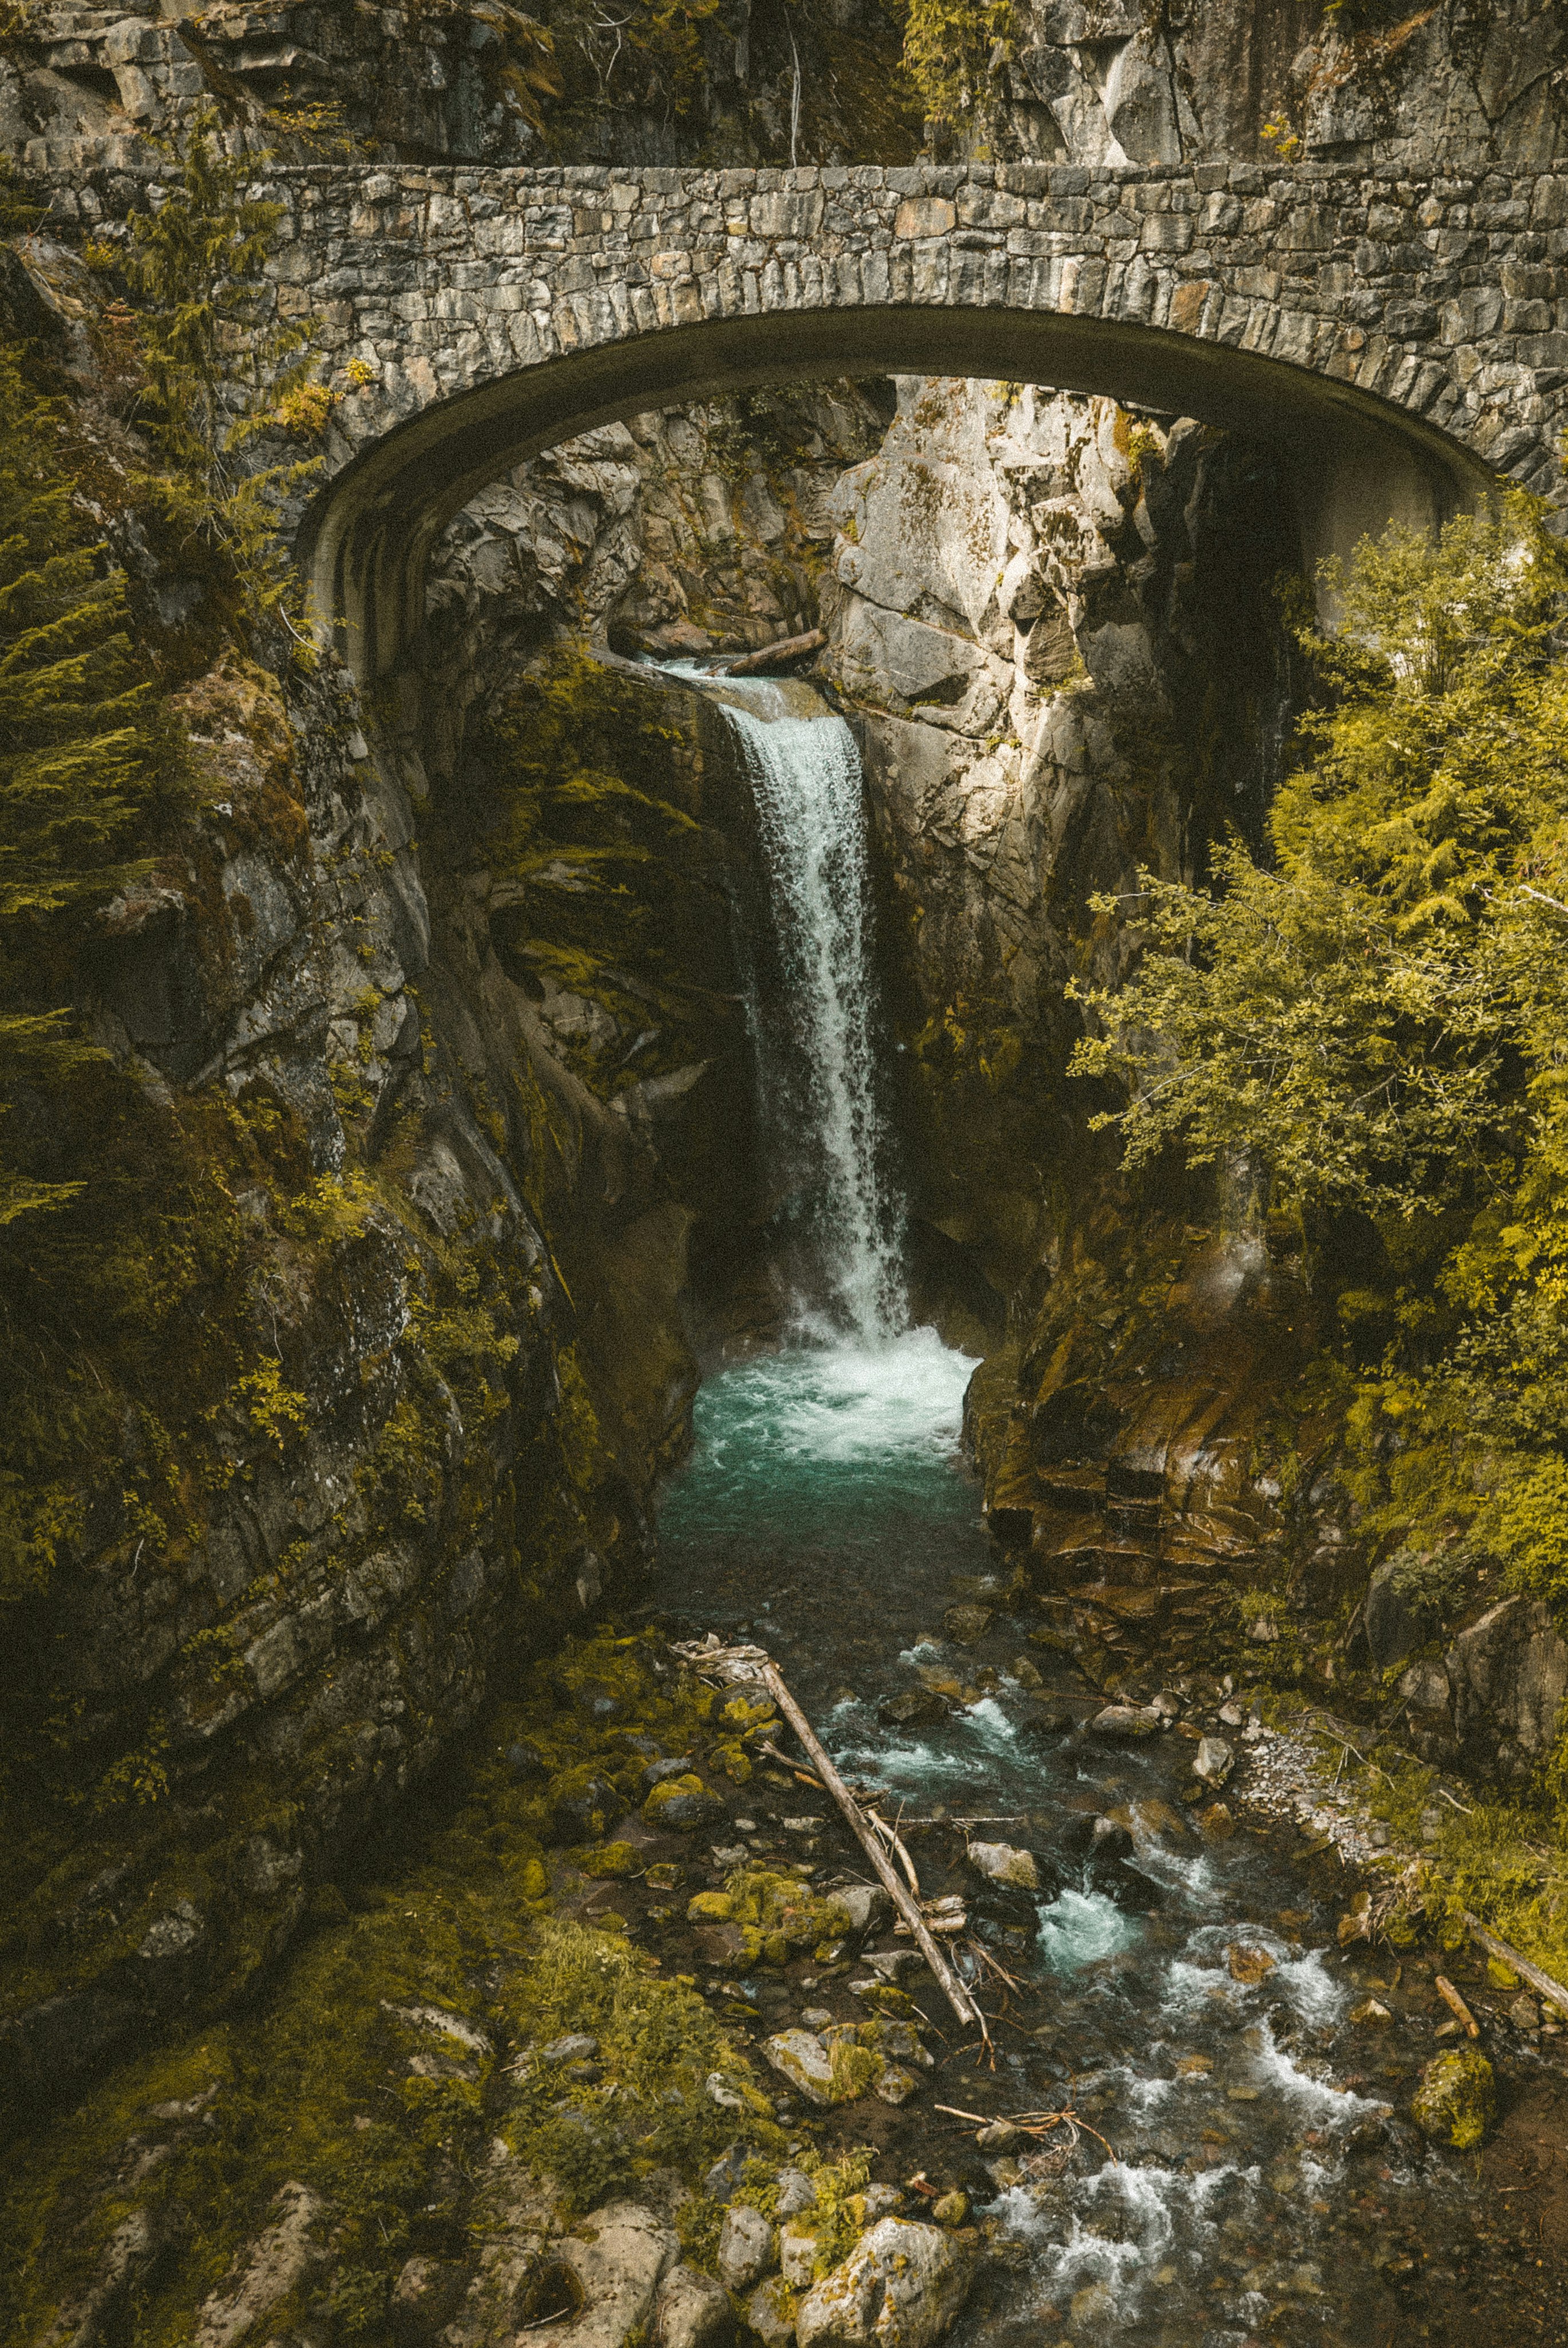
x=1377 y=1017
x=216 y=360
x=79 y=749
x=1350 y=1011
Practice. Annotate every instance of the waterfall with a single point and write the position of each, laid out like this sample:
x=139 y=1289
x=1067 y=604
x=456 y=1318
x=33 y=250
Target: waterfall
x=816 y=1061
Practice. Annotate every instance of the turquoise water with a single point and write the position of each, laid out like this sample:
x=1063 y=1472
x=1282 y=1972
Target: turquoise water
x=826 y=1514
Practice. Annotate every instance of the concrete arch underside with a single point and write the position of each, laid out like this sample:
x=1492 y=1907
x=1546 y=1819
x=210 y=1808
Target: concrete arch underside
x=1356 y=462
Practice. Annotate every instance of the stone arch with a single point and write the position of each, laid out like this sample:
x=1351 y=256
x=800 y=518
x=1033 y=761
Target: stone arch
x=1399 y=338
x=1357 y=461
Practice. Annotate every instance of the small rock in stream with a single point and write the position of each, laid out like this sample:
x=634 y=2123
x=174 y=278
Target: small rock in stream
x=964 y=1624
x=1126 y=1721
x=1456 y=2102
x=1001 y=1862
x=916 y=1708
x=683 y=1803
x=1214 y=1761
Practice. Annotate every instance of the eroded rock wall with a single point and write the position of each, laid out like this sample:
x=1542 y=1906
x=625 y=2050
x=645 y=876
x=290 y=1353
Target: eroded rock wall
x=745 y=82
x=1056 y=622
x=447 y=1147
x=1260 y=78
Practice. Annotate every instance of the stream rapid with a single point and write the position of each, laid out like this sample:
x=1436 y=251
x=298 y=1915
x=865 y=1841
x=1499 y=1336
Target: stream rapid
x=1184 y=1993
x=1261 y=2187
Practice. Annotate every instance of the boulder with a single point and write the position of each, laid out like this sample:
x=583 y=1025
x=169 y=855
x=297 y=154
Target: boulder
x=691 y=2311
x=615 y=2266
x=771 y=2313
x=1213 y=1761
x=1001 y=1862
x=683 y=1803
x=797 y=2253
x=1127 y=1721
x=1510 y=1677
x=901 y=2286
x=747 y=2247
x=796 y=2192
x=964 y=1624
x=824 y=2074
x=861 y=1906
x=915 y=1708
x=1456 y=2102
x=727 y=2175
x=267 y=2272
x=1395 y=1628
x=895 y=2085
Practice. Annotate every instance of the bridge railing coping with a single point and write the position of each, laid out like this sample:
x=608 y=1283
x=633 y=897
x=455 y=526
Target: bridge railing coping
x=1286 y=185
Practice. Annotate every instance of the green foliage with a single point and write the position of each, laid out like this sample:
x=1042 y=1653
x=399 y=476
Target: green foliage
x=216 y=361
x=948 y=46
x=838 y=2222
x=1373 y=1018
x=81 y=753
x=1430 y=1581
x=657 y=2042
x=1346 y=1010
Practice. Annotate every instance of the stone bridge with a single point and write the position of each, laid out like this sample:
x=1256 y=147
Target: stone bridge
x=1405 y=340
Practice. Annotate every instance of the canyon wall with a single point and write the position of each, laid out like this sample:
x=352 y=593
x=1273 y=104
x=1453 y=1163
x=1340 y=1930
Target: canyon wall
x=430 y=1181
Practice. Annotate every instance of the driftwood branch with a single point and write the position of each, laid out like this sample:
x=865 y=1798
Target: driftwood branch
x=786 y=648
x=1542 y=1983
x=1457 y=2006
x=748 y=1663
x=909 y=1907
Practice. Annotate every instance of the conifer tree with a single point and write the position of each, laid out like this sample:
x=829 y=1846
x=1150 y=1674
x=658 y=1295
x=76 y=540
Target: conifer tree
x=216 y=361
x=78 y=749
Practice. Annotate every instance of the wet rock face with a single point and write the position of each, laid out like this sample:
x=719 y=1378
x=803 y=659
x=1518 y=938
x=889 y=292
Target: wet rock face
x=684 y=531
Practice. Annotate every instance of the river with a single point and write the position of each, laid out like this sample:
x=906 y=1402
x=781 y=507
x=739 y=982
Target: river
x=1184 y=1991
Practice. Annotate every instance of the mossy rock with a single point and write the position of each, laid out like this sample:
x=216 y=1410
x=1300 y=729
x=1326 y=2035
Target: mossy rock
x=710 y=1908
x=740 y=1716
x=682 y=1803
x=582 y=1801
x=609 y=1859
x=732 y=1948
x=781 y=1907
x=734 y=1764
x=1456 y=2103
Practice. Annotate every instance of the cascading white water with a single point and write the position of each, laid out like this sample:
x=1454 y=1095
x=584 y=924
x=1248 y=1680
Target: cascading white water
x=816 y=1063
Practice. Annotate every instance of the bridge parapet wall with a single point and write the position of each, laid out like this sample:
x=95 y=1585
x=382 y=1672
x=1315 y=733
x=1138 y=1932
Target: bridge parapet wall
x=469 y=315
x=1446 y=297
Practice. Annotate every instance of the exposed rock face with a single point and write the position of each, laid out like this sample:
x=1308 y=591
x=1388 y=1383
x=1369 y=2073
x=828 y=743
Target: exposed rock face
x=472 y=84
x=1117 y=85
x=276 y=2264
x=1041 y=607
x=680 y=532
x=1510 y=1678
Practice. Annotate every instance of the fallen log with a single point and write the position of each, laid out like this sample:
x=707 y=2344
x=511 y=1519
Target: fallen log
x=749 y=1663
x=787 y=648
x=1541 y=1984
